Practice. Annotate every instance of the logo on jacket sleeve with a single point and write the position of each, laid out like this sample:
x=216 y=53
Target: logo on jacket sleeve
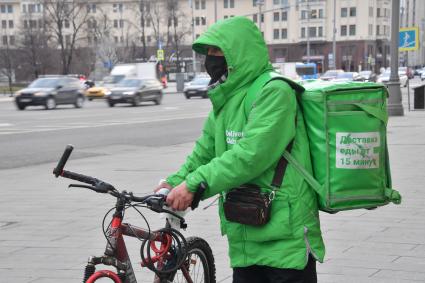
x=232 y=137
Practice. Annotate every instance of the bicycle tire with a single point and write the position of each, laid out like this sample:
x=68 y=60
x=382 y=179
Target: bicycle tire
x=104 y=274
x=197 y=247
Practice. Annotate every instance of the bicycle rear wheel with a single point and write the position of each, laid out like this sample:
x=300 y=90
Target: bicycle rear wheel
x=198 y=265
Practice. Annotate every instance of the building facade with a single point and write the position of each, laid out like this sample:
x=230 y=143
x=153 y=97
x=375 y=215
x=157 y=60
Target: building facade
x=294 y=30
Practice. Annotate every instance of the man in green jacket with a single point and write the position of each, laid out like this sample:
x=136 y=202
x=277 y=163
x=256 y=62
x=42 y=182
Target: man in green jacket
x=238 y=148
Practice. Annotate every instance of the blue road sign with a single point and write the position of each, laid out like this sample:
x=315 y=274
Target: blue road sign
x=408 y=39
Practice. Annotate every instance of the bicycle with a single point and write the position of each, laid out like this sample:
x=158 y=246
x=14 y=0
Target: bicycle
x=166 y=251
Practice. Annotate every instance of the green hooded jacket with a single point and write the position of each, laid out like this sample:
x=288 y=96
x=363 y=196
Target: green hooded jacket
x=234 y=149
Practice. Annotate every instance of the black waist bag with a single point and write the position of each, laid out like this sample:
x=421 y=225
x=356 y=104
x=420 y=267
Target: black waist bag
x=247 y=205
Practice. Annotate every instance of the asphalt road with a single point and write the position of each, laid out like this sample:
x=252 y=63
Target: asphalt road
x=37 y=136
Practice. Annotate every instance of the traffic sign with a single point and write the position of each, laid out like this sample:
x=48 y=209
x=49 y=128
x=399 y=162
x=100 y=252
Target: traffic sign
x=160 y=55
x=408 y=39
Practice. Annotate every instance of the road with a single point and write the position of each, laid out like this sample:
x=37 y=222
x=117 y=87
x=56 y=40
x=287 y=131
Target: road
x=48 y=231
x=35 y=136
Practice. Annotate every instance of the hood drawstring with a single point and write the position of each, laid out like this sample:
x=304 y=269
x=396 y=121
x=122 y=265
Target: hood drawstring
x=222 y=79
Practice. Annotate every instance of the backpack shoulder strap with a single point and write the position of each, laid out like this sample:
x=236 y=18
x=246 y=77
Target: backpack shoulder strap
x=260 y=82
x=251 y=95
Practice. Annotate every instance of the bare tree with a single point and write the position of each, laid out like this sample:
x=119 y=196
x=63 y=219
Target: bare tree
x=33 y=43
x=99 y=29
x=177 y=28
x=8 y=63
x=155 y=17
x=65 y=20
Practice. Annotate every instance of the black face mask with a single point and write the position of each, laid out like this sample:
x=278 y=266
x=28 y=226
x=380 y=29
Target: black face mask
x=216 y=67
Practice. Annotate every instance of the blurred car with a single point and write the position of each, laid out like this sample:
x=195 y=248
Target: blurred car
x=330 y=75
x=135 y=91
x=103 y=87
x=385 y=77
x=51 y=91
x=423 y=76
x=368 y=76
x=348 y=77
x=197 y=87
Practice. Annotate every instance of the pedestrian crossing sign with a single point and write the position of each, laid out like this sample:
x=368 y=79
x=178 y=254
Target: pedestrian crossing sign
x=160 y=55
x=408 y=39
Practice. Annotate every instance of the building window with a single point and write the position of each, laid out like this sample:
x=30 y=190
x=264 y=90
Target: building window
x=378 y=12
x=303 y=14
x=353 y=11
x=91 y=8
x=275 y=34
x=276 y=2
x=3 y=24
x=262 y=18
x=3 y=11
x=371 y=12
x=321 y=13
x=121 y=23
x=115 y=23
x=226 y=17
x=117 y=7
x=197 y=20
x=203 y=5
x=352 y=30
x=344 y=12
x=302 y=32
x=284 y=16
x=33 y=24
x=320 y=32
x=197 y=5
x=197 y=35
x=149 y=39
x=343 y=30
x=226 y=3
x=25 y=24
x=10 y=9
x=254 y=18
x=284 y=32
x=276 y=16
x=67 y=39
x=66 y=24
x=40 y=23
x=10 y=23
x=313 y=14
x=116 y=39
x=5 y=40
x=312 y=31
x=24 y=8
x=370 y=29
x=203 y=21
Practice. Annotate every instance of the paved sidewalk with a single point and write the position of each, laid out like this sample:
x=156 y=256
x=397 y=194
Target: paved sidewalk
x=47 y=231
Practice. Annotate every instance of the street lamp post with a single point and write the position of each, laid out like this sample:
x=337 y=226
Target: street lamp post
x=395 y=108
x=193 y=39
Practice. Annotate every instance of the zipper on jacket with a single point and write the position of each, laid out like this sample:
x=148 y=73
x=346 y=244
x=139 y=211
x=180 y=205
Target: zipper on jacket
x=309 y=250
x=243 y=245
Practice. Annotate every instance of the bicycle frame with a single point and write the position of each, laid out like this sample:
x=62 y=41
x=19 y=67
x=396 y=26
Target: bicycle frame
x=116 y=251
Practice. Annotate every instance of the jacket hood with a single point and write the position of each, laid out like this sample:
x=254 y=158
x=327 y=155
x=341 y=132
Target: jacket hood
x=245 y=51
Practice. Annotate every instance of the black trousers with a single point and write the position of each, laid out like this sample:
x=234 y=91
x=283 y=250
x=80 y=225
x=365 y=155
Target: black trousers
x=266 y=274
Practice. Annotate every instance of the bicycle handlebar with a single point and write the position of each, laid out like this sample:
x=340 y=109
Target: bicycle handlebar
x=64 y=158
x=103 y=187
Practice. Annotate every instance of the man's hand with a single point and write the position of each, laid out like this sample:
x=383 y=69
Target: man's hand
x=180 y=197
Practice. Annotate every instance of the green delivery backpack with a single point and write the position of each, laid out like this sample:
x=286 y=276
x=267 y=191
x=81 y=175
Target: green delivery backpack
x=346 y=123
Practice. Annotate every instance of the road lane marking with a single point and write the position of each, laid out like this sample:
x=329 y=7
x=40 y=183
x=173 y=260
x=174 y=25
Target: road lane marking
x=5 y=125
x=97 y=125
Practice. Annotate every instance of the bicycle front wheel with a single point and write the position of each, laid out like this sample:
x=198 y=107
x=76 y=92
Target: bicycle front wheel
x=198 y=265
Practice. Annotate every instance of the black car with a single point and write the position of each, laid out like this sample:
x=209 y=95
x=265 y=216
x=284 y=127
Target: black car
x=50 y=92
x=135 y=91
x=197 y=87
